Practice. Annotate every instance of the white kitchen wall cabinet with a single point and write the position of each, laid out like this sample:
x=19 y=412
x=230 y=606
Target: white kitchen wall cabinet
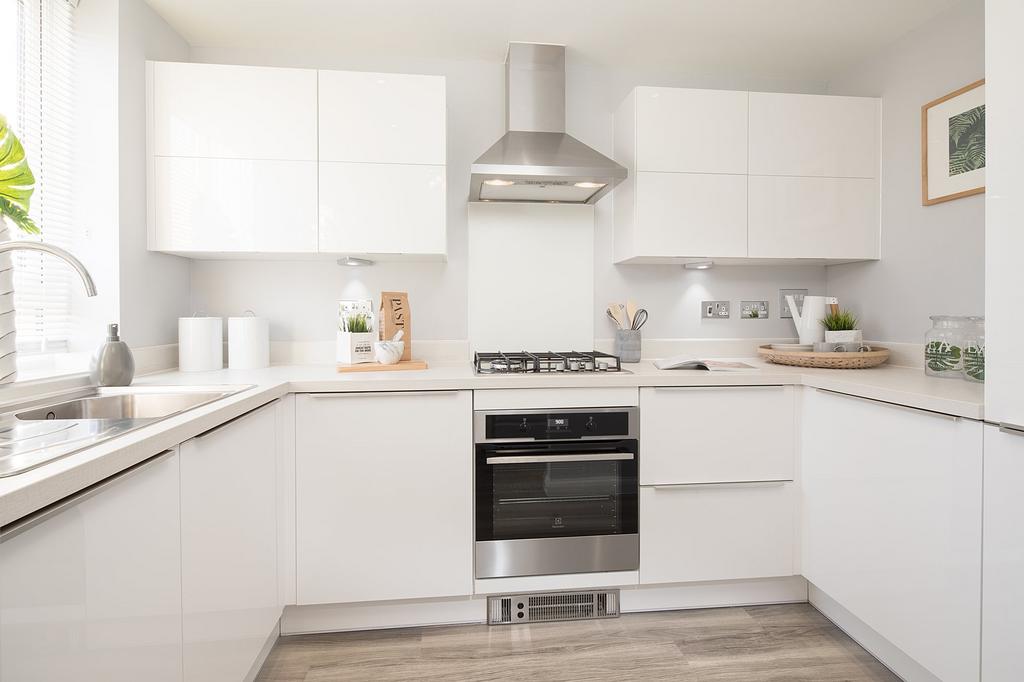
x=232 y=159
x=229 y=591
x=382 y=118
x=1004 y=213
x=1003 y=560
x=382 y=155
x=382 y=209
x=686 y=193
x=726 y=531
x=384 y=494
x=832 y=219
x=717 y=434
x=892 y=524
x=815 y=136
x=272 y=162
x=768 y=177
x=93 y=590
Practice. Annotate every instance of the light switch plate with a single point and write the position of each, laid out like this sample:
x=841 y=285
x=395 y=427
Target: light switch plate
x=714 y=310
x=753 y=310
x=797 y=294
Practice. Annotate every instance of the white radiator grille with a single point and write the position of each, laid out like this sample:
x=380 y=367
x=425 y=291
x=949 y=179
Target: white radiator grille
x=552 y=606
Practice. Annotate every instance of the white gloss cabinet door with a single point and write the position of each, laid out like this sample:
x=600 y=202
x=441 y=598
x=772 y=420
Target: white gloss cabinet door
x=233 y=206
x=1003 y=560
x=384 y=494
x=691 y=214
x=799 y=217
x=680 y=130
x=1004 y=212
x=382 y=117
x=717 y=532
x=93 y=593
x=233 y=112
x=382 y=208
x=711 y=434
x=892 y=524
x=814 y=135
x=229 y=546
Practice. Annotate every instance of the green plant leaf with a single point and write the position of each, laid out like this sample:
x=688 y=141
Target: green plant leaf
x=843 y=320
x=16 y=180
x=18 y=216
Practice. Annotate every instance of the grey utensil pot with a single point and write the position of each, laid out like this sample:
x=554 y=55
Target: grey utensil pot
x=627 y=344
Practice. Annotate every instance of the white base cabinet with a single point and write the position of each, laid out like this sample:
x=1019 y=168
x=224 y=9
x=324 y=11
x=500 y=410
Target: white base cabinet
x=93 y=592
x=892 y=504
x=384 y=496
x=229 y=591
x=1003 y=560
x=717 y=532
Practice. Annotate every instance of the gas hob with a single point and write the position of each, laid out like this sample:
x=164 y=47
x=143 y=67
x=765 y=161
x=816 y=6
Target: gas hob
x=524 y=362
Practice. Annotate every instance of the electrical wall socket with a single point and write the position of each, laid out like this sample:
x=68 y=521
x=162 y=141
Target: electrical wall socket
x=717 y=310
x=798 y=296
x=753 y=310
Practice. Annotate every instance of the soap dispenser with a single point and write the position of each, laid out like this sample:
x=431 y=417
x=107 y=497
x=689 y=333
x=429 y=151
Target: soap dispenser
x=113 y=364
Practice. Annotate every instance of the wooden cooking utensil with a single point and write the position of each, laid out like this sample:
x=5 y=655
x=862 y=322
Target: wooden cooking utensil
x=618 y=313
x=631 y=312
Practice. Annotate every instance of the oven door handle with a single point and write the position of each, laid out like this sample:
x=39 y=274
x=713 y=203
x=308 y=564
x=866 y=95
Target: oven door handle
x=582 y=457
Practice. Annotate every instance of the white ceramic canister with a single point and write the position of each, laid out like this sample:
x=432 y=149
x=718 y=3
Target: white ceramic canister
x=248 y=342
x=200 y=344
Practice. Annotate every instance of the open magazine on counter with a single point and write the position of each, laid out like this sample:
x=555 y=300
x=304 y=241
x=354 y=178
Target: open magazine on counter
x=686 y=362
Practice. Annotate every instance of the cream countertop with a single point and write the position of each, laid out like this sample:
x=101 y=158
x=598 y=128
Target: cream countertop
x=25 y=493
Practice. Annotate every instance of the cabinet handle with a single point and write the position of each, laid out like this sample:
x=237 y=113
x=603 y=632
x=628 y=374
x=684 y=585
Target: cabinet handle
x=719 y=387
x=18 y=527
x=218 y=427
x=919 y=410
x=1011 y=429
x=378 y=394
x=582 y=457
x=768 y=483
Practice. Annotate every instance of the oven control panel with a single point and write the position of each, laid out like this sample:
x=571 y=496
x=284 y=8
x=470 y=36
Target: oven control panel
x=559 y=425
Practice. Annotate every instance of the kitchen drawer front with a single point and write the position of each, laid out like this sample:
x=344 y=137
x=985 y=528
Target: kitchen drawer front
x=717 y=532
x=713 y=434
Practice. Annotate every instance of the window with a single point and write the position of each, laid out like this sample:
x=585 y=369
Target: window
x=36 y=94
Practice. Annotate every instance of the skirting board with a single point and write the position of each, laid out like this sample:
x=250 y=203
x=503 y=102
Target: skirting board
x=879 y=647
x=548 y=583
x=264 y=652
x=459 y=611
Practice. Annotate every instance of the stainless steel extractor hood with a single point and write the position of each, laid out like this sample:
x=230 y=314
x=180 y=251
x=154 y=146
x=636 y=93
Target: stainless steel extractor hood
x=536 y=161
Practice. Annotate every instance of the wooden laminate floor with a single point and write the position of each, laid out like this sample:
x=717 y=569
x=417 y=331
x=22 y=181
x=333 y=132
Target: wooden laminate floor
x=785 y=642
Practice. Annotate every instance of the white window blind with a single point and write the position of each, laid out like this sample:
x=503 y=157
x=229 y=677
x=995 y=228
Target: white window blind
x=36 y=64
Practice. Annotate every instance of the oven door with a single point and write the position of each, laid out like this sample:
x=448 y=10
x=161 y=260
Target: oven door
x=556 y=507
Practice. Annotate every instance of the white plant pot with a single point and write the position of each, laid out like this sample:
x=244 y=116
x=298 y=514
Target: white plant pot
x=354 y=348
x=846 y=336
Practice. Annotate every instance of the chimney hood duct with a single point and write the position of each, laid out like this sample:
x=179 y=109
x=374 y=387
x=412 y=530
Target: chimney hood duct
x=536 y=161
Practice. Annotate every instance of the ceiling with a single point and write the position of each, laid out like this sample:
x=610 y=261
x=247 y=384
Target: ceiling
x=768 y=38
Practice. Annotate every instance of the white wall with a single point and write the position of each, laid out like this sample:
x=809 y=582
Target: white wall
x=154 y=287
x=300 y=298
x=933 y=257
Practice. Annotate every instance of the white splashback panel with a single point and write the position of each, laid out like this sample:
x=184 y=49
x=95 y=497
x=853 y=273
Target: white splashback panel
x=531 y=277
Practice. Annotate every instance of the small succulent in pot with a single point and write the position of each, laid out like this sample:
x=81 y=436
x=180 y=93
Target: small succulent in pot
x=841 y=327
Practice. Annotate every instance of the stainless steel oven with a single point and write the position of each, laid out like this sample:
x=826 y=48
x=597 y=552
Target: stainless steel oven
x=556 y=491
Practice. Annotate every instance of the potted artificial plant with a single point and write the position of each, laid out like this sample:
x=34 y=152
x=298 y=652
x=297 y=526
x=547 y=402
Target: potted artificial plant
x=356 y=334
x=16 y=186
x=841 y=328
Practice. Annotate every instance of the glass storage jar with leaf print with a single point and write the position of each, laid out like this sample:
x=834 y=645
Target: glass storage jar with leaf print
x=943 y=348
x=974 y=349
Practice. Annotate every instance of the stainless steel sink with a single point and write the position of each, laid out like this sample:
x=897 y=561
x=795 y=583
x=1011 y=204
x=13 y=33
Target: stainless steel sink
x=119 y=405
x=36 y=432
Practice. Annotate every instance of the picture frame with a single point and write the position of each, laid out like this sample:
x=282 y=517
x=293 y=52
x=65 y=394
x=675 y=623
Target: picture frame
x=953 y=145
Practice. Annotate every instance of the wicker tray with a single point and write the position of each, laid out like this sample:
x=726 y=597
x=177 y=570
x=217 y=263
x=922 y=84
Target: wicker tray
x=862 y=360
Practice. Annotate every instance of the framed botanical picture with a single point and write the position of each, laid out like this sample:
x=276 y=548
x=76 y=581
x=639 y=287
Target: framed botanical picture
x=953 y=145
